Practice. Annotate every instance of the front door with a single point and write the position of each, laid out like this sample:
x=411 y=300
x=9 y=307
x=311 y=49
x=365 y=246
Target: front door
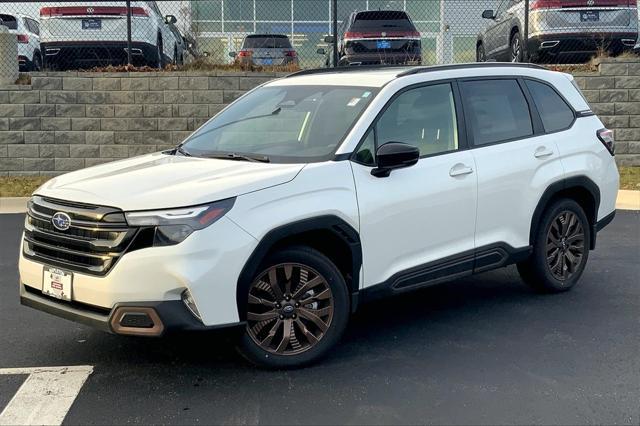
x=419 y=215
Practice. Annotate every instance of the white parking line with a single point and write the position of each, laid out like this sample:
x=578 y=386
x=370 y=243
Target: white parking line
x=46 y=395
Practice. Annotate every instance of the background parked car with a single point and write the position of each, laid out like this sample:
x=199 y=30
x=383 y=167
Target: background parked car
x=82 y=34
x=27 y=30
x=377 y=37
x=557 y=28
x=266 y=49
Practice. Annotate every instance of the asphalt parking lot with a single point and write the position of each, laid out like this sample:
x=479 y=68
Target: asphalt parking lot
x=483 y=350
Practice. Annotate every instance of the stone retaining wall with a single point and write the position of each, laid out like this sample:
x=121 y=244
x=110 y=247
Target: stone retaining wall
x=67 y=121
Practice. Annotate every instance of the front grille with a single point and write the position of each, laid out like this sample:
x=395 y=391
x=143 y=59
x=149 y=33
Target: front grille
x=97 y=236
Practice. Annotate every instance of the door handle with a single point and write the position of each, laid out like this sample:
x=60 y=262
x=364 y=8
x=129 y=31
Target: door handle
x=542 y=152
x=460 y=170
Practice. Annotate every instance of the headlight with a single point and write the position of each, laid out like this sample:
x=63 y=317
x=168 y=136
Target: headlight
x=173 y=226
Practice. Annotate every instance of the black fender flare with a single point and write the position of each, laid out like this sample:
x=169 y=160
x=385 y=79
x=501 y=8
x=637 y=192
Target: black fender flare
x=564 y=185
x=337 y=226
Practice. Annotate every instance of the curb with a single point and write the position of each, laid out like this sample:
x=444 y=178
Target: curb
x=13 y=204
x=627 y=200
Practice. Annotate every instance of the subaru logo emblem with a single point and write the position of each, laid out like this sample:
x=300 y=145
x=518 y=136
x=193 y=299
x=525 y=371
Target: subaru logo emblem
x=61 y=221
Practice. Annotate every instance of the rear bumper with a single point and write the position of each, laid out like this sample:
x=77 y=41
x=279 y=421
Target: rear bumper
x=559 y=44
x=150 y=319
x=96 y=53
x=380 y=58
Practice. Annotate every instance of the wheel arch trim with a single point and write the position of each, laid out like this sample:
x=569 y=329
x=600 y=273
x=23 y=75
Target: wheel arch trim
x=327 y=223
x=581 y=182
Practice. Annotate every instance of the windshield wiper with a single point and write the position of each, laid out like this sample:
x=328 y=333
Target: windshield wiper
x=239 y=157
x=182 y=151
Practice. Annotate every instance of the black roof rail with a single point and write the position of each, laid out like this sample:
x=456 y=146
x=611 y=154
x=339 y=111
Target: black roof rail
x=419 y=70
x=352 y=68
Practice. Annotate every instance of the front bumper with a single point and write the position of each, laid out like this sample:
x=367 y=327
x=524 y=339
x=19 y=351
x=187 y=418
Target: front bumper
x=207 y=264
x=158 y=318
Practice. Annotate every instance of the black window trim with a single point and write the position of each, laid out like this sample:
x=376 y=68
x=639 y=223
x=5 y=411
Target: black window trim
x=460 y=120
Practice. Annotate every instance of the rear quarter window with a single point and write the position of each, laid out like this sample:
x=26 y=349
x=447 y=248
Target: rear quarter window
x=556 y=115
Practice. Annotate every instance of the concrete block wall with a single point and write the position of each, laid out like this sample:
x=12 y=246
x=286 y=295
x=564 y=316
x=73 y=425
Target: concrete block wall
x=614 y=94
x=68 y=121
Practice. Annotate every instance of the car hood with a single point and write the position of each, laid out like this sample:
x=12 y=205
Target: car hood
x=159 y=181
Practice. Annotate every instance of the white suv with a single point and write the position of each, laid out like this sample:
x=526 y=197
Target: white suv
x=27 y=30
x=84 y=34
x=314 y=193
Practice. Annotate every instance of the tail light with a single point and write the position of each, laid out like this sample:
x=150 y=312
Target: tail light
x=245 y=53
x=48 y=12
x=23 y=38
x=606 y=137
x=290 y=53
x=378 y=34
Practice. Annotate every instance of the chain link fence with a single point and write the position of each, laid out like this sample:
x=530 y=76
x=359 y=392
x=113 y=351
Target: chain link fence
x=291 y=34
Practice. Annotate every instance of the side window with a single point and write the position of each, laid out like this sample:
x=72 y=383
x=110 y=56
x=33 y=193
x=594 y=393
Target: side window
x=497 y=110
x=366 y=153
x=36 y=27
x=554 y=111
x=424 y=117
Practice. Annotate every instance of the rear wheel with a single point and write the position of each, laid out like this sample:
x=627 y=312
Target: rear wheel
x=560 y=250
x=480 y=53
x=516 y=51
x=297 y=309
x=37 y=62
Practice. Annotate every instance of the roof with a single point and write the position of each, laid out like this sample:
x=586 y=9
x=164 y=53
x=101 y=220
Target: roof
x=378 y=76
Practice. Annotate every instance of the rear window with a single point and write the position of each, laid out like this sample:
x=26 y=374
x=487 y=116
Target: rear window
x=267 y=42
x=9 y=22
x=497 y=109
x=382 y=19
x=554 y=111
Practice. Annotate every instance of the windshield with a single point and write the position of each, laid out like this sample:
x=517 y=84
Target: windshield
x=283 y=123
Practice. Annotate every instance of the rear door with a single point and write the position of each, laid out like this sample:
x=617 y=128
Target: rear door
x=515 y=160
x=495 y=44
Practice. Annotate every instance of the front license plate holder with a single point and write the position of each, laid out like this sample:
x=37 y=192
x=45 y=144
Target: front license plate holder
x=57 y=283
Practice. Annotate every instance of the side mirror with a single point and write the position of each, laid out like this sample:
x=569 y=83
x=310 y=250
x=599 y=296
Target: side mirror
x=488 y=14
x=394 y=155
x=329 y=39
x=170 y=19
x=321 y=51
x=233 y=54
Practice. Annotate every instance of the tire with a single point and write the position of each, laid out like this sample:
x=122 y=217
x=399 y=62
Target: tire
x=516 y=53
x=315 y=326
x=37 y=62
x=564 y=235
x=480 y=53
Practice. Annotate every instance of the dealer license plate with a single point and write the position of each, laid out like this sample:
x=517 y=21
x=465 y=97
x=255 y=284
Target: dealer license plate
x=57 y=283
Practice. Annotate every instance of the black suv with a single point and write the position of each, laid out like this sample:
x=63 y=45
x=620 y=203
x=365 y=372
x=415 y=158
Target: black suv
x=377 y=37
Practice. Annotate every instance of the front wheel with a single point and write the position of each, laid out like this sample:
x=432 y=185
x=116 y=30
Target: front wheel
x=517 y=54
x=560 y=249
x=297 y=309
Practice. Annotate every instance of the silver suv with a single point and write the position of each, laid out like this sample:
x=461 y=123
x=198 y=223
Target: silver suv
x=558 y=29
x=266 y=49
